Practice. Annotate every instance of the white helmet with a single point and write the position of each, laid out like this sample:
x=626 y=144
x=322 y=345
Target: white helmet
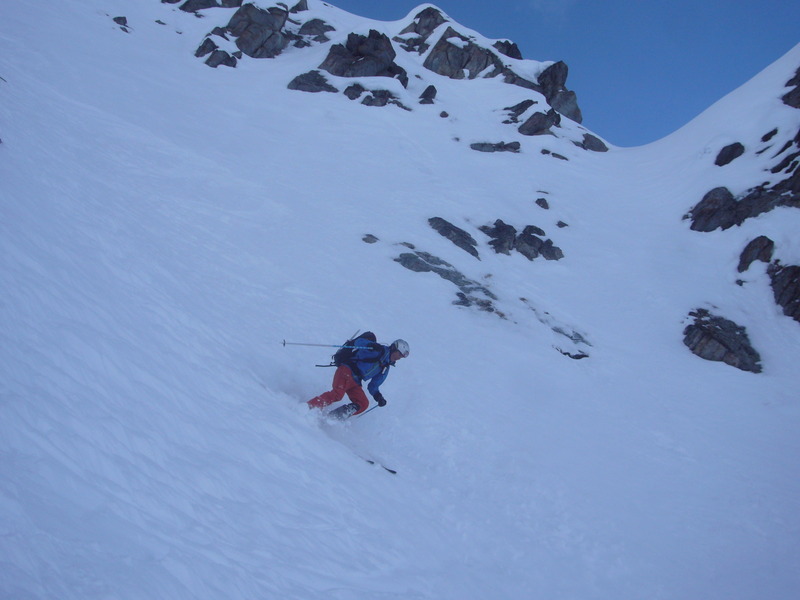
x=401 y=346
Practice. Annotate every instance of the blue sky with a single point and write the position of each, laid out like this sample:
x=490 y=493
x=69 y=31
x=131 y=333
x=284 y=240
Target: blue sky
x=641 y=68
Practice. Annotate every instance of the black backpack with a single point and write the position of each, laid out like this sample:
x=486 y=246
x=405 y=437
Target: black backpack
x=344 y=355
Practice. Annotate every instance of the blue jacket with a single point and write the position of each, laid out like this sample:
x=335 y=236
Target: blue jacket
x=371 y=363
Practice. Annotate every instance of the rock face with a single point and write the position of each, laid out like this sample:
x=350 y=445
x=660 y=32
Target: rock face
x=553 y=80
x=792 y=98
x=457 y=57
x=456 y=235
x=541 y=123
x=258 y=31
x=760 y=248
x=496 y=147
x=719 y=209
x=729 y=153
x=593 y=143
x=423 y=26
x=528 y=243
x=313 y=81
x=786 y=288
x=364 y=56
x=470 y=292
x=717 y=339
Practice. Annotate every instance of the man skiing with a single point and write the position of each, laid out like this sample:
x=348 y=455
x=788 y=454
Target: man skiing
x=366 y=360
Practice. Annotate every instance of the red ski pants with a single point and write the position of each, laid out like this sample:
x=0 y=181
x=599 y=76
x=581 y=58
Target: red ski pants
x=343 y=383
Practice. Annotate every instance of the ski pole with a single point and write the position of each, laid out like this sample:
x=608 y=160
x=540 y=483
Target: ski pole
x=285 y=343
x=368 y=410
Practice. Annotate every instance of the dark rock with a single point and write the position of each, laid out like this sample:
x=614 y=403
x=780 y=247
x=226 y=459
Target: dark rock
x=300 y=7
x=207 y=47
x=498 y=147
x=786 y=288
x=716 y=209
x=543 y=203
x=729 y=153
x=195 y=5
x=231 y=3
x=533 y=230
x=553 y=80
x=715 y=338
x=458 y=236
x=550 y=251
x=364 y=56
x=719 y=209
x=425 y=23
x=528 y=244
x=573 y=355
x=428 y=96
x=508 y=48
x=503 y=236
x=444 y=114
x=354 y=91
x=760 y=248
x=470 y=292
x=313 y=81
x=121 y=21
x=540 y=123
x=453 y=59
x=768 y=136
x=547 y=152
x=593 y=143
x=220 y=57
x=316 y=28
x=258 y=31
x=369 y=238
x=516 y=111
x=792 y=98
x=378 y=98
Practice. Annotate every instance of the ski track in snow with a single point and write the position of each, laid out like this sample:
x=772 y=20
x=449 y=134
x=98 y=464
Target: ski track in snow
x=163 y=226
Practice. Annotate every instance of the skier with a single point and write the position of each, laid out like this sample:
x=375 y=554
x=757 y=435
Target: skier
x=367 y=361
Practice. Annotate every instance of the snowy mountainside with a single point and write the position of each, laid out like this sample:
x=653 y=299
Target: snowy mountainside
x=164 y=225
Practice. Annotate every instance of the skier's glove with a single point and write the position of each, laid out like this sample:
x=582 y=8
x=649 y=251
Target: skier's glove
x=380 y=399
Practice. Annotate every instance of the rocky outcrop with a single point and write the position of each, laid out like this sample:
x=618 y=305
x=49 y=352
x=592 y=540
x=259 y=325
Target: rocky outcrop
x=423 y=25
x=718 y=339
x=458 y=236
x=364 y=56
x=728 y=154
x=313 y=81
x=516 y=111
x=457 y=57
x=508 y=48
x=553 y=81
x=504 y=239
x=429 y=95
x=719 y=209
x=316 y=29
x=792 y=98
x=258 y=31
x=541 y=123
x=593 y=143
x=760 y=248
x=195 y=5
x=496 y=147
x=786 y=288
x=470 y=292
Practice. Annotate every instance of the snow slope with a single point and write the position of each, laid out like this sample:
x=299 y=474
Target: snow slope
x=164 y=226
